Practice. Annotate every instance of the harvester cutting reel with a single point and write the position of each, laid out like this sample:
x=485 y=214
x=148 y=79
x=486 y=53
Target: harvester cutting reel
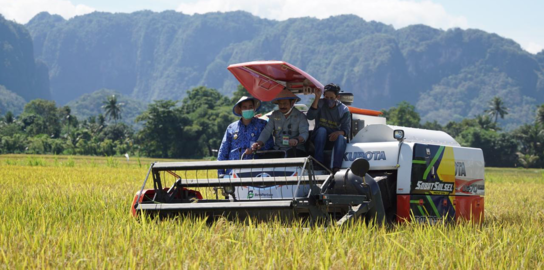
x=281 y=189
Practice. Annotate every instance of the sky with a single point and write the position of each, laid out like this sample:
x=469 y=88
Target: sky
x=522 y=20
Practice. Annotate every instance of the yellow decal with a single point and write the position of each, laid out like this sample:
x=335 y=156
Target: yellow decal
x=446 y=169
x=451 y=201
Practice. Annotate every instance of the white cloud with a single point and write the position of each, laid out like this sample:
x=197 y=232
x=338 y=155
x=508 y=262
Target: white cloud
x=22 y=11
x=533 y=47
x=399 y=13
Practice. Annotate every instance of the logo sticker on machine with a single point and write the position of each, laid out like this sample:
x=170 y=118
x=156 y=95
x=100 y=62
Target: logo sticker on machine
x=434 y=170
x=460 y=169
x=436 y=186
x=368 y=155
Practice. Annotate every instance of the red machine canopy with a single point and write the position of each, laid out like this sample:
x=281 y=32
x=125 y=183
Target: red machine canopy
x=265 y=79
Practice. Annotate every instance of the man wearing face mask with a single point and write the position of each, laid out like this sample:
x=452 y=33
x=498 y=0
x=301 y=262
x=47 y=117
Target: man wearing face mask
x=332 y=124
x=240 y=135
x=288 y=125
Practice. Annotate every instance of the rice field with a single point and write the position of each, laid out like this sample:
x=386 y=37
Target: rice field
x=73 y=212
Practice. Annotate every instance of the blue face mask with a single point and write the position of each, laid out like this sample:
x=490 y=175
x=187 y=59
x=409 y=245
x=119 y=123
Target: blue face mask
x=248 y=114
x=331 y=102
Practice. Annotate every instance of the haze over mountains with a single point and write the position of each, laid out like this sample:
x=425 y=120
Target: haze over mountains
x=448 y=75
x=19 y=71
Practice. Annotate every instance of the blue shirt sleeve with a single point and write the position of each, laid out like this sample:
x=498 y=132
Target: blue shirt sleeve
x=224 y=149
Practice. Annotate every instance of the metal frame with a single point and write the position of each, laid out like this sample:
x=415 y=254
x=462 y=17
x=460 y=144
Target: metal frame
x=317 y=204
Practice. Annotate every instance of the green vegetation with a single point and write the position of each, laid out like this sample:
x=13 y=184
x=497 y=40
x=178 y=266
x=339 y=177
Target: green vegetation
x=189 y=129
x=78 y=217
x=112 y=108
x=497 y=108
x=194 y=127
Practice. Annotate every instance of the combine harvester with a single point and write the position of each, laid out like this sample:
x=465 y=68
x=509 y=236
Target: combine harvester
x=389 y=173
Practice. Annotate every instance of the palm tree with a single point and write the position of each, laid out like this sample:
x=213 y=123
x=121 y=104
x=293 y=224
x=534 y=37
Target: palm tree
x=496 y=108
x=540 y=116
x=529 y=138
x=527 y=160
x=486 y=123
x=112 y=108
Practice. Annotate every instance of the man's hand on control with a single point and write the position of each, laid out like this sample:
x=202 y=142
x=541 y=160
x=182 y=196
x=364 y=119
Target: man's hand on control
x=256 y=146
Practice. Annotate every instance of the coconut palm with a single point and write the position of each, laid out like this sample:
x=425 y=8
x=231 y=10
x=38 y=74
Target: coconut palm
x=112 y=108
x=486 y=123
x=540 y=115
x=496 y=108
x=527 y=160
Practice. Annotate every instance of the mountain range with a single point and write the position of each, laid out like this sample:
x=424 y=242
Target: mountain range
x=448 y=75
x=22 y=77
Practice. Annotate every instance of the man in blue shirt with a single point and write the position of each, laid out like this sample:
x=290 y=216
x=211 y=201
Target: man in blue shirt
x=332 y=124
x=240 y=135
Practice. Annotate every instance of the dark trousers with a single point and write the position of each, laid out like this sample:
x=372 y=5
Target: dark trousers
x=320 y=138
x=295 y=152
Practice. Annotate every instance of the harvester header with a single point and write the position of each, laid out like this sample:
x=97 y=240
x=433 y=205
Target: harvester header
x=279 y=188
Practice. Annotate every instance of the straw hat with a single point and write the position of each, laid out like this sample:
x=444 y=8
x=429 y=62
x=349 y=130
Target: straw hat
x=238 y=111
x=285 y=94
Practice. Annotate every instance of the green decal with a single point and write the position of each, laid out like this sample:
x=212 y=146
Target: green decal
x=420 y=210
x=434 y=207
x=418 y=161
x=440 y=150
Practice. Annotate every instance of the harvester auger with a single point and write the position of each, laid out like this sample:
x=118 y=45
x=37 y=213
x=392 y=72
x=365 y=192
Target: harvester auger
x=284 y=189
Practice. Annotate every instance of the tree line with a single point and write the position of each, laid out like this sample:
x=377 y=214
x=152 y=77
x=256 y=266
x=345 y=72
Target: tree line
x=190 y=128
x=194 y=128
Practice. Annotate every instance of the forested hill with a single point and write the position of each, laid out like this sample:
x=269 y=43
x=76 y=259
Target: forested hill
x=448 y=75
x=21 y=77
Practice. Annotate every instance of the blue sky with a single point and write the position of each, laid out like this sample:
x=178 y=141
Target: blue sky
x=521 y=20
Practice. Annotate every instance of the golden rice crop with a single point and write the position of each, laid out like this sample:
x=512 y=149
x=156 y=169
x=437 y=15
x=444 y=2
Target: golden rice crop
x=58 y=212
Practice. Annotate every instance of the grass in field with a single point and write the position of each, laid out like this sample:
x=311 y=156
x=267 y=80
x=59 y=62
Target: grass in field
x=73 y=212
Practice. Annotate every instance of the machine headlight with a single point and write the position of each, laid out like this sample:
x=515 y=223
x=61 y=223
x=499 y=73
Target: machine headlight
x=398 y=134
x=229 y=189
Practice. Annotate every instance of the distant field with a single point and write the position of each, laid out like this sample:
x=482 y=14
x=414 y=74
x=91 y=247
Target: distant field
x=73 y=212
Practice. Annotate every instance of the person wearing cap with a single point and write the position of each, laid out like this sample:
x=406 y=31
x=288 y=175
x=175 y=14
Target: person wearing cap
x=240 y=135
x=288 y=125
x=332 y=124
